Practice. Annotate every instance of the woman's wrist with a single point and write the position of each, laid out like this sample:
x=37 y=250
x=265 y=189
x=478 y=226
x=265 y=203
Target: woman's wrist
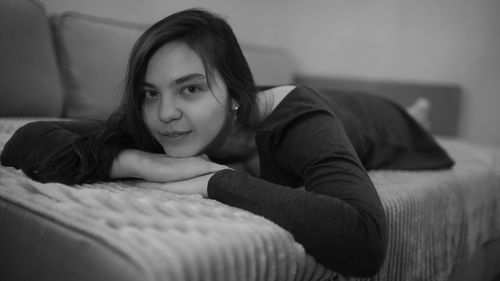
x=133 y=163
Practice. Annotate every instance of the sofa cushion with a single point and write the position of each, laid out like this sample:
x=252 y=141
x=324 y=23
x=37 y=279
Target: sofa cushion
x=93 y=56
x=30 y=83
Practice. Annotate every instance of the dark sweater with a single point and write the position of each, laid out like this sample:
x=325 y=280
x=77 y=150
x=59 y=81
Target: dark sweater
x=338 y=218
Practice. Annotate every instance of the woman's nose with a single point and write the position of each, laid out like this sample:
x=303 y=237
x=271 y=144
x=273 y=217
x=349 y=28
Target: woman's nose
x=169 y=111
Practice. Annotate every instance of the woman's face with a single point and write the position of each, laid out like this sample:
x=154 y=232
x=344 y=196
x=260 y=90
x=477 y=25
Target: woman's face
x=182 y=113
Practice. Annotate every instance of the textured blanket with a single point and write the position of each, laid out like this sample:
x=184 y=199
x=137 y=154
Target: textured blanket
x=166 y=236
x=436 y=220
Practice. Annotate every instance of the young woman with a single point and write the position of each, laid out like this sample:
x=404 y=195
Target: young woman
x=192 y=118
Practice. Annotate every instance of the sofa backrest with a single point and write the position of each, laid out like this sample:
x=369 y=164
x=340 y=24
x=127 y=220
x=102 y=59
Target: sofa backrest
x=445 y=99
x=30 y=83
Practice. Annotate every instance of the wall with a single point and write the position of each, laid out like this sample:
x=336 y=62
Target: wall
x=449 y=41
x=456 y=41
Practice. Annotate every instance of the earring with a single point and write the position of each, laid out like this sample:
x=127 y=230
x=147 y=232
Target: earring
x=235 y=111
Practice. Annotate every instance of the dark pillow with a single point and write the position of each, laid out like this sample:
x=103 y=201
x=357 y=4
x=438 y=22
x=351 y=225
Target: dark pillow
x=384 y=135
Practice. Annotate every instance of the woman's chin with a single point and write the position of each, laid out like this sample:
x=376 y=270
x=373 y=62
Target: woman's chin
x=180 y=153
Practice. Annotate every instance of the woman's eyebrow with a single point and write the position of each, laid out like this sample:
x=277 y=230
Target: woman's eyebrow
x=149 y=85
x=181 y=80
x=187 y=78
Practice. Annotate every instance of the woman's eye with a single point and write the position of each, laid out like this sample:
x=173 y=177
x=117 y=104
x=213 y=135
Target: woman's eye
x=191 y=90
x=150 y=94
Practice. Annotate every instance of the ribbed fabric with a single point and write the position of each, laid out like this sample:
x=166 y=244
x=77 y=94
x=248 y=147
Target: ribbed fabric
x=438 y=219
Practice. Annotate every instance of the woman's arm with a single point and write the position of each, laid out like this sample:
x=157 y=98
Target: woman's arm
x=42 y=136
x=339 y=219
x=68 y=152
x=160 y=168
x=45 y=150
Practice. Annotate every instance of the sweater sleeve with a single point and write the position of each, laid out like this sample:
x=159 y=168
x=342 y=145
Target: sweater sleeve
x=47 y=151
x=339 y=219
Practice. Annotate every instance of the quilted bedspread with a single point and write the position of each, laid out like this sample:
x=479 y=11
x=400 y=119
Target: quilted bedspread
x=436 y=220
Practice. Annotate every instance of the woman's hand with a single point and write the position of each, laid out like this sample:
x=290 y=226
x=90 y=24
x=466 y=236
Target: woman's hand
x=159 y=167
x=196 y=185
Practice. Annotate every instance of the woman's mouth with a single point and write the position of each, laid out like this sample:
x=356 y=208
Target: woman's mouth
x=175 y=135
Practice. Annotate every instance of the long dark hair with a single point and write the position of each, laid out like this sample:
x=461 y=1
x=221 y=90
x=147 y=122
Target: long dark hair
x=212 y=39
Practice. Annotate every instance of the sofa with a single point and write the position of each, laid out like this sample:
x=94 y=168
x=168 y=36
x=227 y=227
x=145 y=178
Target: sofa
x=443 y=225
